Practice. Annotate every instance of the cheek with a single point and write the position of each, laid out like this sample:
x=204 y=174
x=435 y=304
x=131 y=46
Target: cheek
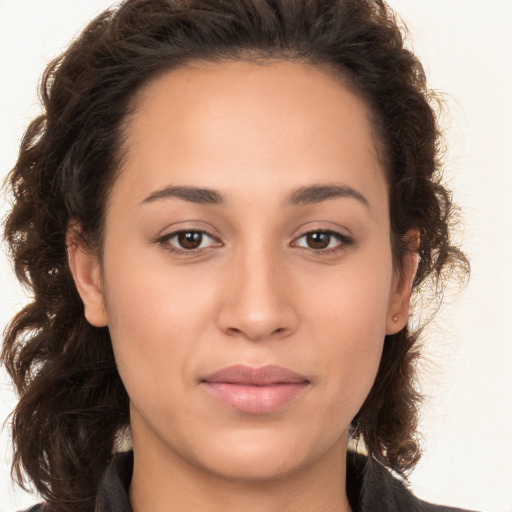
x=148 y=295
x=354 y=298
x=156 y=317
x=348 y=320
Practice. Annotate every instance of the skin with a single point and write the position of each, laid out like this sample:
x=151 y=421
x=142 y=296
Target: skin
x=256 y=292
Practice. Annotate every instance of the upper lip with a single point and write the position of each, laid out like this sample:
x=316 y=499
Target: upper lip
x=262 y=376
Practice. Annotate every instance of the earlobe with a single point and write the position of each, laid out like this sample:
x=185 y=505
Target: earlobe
x=86 y=272
x=399 y=305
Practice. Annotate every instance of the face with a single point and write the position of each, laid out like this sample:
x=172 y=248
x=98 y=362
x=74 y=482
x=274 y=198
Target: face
x=246 y=275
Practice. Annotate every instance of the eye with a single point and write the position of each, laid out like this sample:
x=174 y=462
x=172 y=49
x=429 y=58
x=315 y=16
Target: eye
x=188 y=240
x=321 y=241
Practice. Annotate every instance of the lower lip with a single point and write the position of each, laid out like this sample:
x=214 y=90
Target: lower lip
x=255 y=399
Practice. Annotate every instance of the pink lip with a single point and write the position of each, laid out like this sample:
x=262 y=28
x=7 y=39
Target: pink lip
x=255 y=390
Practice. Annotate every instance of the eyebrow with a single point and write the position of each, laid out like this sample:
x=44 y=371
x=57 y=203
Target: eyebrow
x=193 y=194
x=310 y=194
x=313 y=194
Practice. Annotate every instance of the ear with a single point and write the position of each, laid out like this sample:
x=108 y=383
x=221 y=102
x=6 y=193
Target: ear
x=86 y=271
x=399 y=304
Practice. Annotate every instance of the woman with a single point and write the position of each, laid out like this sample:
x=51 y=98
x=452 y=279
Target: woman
x=223 y=213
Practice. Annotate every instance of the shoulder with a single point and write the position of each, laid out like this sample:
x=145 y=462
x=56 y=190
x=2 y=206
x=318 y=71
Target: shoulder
x=35 y=508
x=430 y=507
x=380 y=490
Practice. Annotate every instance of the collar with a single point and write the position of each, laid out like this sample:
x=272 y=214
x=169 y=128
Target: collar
x=370 y=488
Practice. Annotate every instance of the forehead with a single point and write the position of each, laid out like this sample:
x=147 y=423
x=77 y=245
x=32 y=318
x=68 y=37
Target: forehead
x=259 y=125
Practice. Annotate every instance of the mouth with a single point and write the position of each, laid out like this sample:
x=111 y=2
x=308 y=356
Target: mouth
x=255 y=390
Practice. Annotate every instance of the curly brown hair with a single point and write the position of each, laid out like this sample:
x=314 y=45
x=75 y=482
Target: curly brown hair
x=73 y=404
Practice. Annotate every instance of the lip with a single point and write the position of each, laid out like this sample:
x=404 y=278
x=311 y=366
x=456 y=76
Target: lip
x=255 y=390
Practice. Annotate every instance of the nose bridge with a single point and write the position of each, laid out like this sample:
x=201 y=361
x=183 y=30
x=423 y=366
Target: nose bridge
x=258 y=302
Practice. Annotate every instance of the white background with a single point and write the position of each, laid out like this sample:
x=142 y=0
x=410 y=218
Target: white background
x=466 y=47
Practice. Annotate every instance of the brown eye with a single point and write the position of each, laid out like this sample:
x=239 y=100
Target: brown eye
x=323 y=241
x=189 y=239
x=318 y=240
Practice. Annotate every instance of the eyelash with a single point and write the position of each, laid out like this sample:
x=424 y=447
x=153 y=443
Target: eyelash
x=344 y=241
x=165 y=241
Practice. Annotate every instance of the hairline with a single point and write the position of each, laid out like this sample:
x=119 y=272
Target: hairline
x=252 y=56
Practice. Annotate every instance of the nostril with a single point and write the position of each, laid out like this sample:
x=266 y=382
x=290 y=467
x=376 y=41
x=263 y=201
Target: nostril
x=257 y=320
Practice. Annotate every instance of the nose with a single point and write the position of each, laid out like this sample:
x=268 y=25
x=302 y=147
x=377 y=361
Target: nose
x=258 y=299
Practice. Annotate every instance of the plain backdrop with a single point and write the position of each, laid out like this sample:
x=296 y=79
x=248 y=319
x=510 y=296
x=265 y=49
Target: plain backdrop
x=466 y=48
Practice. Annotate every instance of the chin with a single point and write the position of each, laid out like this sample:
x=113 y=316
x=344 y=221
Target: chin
x=261 y=455
x=247 y=466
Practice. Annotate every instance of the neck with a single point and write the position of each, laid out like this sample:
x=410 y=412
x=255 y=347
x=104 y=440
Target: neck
x=163 y=481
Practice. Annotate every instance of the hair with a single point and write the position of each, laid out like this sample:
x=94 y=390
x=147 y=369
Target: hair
x=73 y=405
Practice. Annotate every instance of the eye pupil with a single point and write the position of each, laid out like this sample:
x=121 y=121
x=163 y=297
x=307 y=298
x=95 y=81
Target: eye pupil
x=190 y=239
x=318 y=240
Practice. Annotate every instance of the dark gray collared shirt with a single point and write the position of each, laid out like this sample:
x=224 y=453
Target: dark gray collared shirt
x=370 y=488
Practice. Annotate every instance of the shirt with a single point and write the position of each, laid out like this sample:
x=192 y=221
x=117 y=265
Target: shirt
x=370 y=488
